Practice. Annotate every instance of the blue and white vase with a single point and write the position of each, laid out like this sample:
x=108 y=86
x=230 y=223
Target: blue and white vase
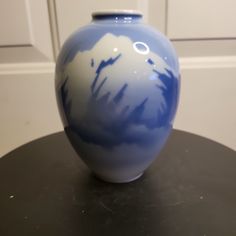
x=117 y=87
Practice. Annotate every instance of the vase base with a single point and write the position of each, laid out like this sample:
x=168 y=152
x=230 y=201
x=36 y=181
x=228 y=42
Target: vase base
x=119 y=181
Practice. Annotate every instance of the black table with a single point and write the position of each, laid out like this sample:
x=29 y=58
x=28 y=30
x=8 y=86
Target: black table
x=189 y=190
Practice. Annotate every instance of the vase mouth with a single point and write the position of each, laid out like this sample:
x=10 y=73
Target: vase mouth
x=116 y=12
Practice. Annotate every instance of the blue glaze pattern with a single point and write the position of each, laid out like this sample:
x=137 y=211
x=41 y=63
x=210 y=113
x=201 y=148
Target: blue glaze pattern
x=117 y=88
x=101 y=66
x=86 y=38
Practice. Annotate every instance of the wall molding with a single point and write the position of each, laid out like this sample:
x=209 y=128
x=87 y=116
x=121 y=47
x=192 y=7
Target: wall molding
x=185 y=63
x=27 y=68
x=54 y=27
x=207 y=62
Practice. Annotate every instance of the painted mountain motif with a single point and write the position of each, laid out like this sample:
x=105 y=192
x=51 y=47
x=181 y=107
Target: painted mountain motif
x=117 y=89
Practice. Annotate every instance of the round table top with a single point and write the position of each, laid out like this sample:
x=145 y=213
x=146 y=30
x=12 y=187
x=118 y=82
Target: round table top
x=189 y=190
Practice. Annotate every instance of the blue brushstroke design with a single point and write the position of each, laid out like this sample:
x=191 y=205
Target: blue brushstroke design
x=118 y=97
x=104 y=99
x=66 y=103
x=103 y=64
x=170 y=93
x=86 y=38
x=92 y=62
x=108 y=122
x=95 y=94
x=150 y=61
x=136 y=115
x=64 y=100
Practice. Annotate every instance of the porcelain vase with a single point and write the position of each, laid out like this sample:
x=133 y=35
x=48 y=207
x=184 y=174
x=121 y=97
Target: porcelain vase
x=117 y=87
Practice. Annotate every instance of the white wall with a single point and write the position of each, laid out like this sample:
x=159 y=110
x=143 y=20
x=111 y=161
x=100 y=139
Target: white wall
x=28 y=109
x=207 y=49
x=208 y=100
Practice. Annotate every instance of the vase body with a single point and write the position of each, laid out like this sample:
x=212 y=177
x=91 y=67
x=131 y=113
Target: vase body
x=117 y=88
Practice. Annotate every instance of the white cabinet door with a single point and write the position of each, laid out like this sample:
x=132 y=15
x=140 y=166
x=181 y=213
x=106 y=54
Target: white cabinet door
x=72 y=14
x=202 y=28
x=25 y=31
x=14 y=24
x=194 y=19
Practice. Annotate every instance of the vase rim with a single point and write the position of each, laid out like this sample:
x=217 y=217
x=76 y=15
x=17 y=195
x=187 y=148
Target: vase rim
x=110 y=12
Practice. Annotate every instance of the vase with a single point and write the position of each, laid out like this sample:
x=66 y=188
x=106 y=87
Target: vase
x=117 y=88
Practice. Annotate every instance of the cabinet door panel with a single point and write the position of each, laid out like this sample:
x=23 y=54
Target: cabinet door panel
x=192 y=19
x=73 y=14
x=14 y=25
x=25 y=31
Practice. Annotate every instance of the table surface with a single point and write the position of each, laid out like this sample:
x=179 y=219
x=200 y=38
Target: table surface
x=190 y=189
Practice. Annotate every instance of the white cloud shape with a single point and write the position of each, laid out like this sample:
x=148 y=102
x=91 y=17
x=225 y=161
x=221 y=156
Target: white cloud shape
x=131 y=68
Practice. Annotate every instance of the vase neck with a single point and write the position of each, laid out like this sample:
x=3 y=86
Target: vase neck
x=117 y=16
